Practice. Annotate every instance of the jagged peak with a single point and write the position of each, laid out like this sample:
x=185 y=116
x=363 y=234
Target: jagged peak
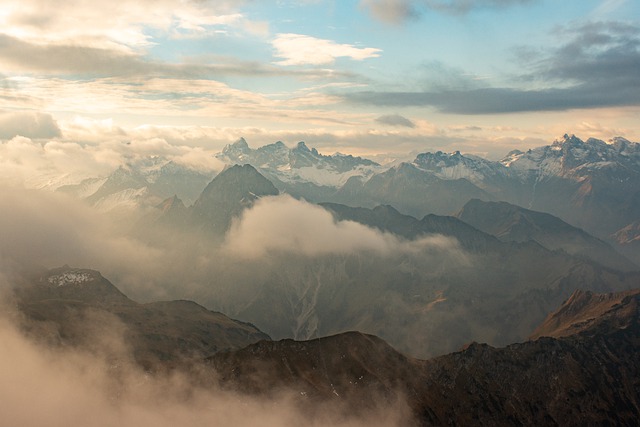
x=171 y=203
x=239 y=145
x=302 y=146
x=567 y=138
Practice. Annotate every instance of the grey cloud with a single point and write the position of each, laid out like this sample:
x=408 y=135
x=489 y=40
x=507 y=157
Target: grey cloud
x=396 y=11
x=391 y=11
x=596 y=52
x=100 y=62
x=395 y=120
x=28 y=124
x=506 y=100
x=464 y=6
x=597 y=67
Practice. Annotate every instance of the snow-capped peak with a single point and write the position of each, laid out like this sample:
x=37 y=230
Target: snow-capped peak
x=455 y=165
x=72 y=277
x=299 y=164
x=569 y=156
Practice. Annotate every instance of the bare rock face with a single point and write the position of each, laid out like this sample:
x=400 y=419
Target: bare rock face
x=227 y=195
x=588 y=374
x=588 y=312
x=79 y=307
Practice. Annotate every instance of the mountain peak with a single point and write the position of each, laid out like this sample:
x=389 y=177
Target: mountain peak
x=585 y=311
x=171 y=203
x=567 y=138
x=240 y=143
x=302 y=146
x=237 y=148
x=228 y=194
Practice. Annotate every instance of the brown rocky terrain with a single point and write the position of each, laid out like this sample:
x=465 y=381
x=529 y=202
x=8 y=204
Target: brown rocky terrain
x=79 y=307
x=588 y=375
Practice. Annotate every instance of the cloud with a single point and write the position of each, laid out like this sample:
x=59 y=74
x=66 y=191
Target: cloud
x=81 y=387
x=465 y=6
x=601 y=72
x=50 y=164
x=396 y=11
x=108 y=61
x=28 y=124
x=282 y=224
x=298 y=49
x=124 y=25
x=176 y=100
x=391 y=11
x=395 y=120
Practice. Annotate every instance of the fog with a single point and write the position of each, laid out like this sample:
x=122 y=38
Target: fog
x=282 y=256
x=35 y=163
x=62 y=386
x=286 y=225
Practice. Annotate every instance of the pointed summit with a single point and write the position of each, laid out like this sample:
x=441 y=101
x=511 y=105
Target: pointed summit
x=228 y=194
x=302 y=146
x=240 y=144
x=236 y=151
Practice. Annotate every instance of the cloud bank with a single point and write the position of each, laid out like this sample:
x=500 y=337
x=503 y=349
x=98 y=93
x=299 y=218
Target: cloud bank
x=282 y=224
x=70 y=386
x=602 y=72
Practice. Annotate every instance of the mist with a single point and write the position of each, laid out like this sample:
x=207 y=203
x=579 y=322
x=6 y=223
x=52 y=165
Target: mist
x=280 y=248
x=282 y=224
x=62 y=386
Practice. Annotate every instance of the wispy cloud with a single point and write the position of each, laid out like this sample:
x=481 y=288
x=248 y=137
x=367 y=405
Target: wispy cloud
x=397 y=11
x=395 y=120
x=124 y=24
x=298 y=49
x=602 y=72
x=391 y=11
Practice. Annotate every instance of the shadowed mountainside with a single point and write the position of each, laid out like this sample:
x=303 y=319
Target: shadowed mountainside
x=70 y=306
x=589 y=377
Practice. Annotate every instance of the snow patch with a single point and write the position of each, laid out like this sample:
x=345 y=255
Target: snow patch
x=69 y=278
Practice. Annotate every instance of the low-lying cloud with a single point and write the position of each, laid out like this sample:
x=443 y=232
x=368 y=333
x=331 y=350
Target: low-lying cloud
x=27 y=124
x=282 y=224
x=62 y=386
x=50 y=164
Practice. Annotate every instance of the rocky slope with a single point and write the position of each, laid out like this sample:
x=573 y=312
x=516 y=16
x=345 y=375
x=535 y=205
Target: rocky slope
x=300 y=171
x=79 y=307
x=446 y=283
x=586 y=376
x=513 y=223
x=227 y=195
x=140 y=184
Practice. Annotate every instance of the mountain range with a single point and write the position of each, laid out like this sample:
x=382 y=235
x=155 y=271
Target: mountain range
x=593 y=185
x=491 y=278
x=72 y=306
x=579 y=367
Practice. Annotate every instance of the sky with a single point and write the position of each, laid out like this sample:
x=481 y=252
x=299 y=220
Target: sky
x=365 y=77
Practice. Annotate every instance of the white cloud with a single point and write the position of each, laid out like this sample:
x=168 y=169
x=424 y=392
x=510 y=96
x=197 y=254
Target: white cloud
x=298 y=49
x=282 y=224
x=123 y=24
x=29 y=124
